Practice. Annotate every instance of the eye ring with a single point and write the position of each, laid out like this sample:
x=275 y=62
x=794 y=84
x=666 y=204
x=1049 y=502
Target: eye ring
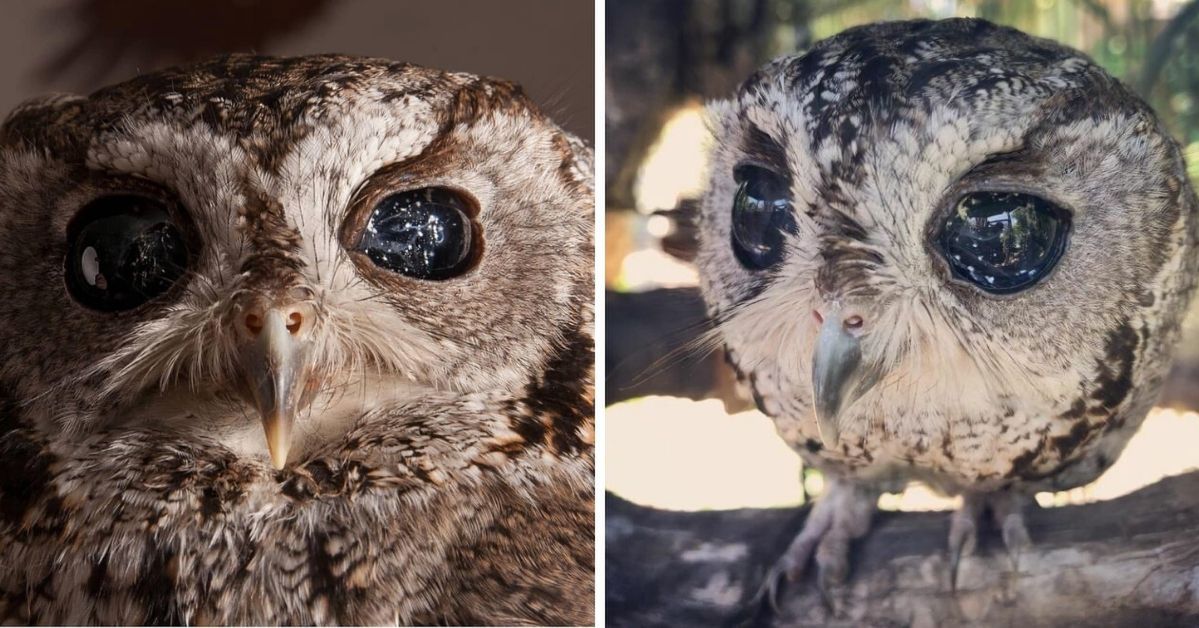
x=1002 y=242
x=429 y=234
x=124 y=250
x=761 y=216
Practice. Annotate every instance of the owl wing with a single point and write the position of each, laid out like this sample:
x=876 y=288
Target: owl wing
x=532 y=565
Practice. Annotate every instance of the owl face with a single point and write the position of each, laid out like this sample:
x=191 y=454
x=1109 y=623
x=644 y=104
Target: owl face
x=281 y=243
x=922 y=221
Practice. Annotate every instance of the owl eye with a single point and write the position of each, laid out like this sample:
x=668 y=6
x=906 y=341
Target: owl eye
x=123 y=251
x=1003 y=242
x=425 y=234
x=761 y=213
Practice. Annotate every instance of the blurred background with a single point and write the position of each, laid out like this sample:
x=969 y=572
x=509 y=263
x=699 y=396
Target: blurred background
x=681 y=434
x=80 y=45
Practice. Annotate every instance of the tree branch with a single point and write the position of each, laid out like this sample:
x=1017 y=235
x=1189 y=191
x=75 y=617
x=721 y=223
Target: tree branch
x=1163 y=44
x=1131 y=561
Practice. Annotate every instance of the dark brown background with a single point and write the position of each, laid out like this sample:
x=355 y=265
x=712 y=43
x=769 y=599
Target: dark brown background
x=79 y=45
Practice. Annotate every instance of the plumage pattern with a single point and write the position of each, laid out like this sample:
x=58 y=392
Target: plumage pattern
x=877 y=132
x=442 y=469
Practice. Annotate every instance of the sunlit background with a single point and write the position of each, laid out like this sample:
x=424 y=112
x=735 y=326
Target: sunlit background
x=693 y=454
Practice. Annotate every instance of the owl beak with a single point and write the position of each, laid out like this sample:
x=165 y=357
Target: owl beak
x=275 y=371
x=839 y=375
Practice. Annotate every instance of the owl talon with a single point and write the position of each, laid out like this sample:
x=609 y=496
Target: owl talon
x=1015 y=537
x=828 y=583
x=963 y=535
x=1007 y=513
x=832 y=559
x=956 y=552
x=768 y=593
x=784 y=571
x=841 y=515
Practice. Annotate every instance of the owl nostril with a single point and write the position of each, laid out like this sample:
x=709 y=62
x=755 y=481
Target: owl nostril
x=295 y=318
x=851 y=322
x=295 y=321
x=253 y=324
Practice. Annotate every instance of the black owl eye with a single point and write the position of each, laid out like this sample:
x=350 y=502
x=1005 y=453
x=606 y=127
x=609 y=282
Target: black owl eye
x=123 y=251
x=1003 y=242
x=426 y=234
x=761 y=214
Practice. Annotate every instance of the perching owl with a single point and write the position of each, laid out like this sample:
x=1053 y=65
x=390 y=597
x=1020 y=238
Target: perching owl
x=945 y=251
x=299 y=341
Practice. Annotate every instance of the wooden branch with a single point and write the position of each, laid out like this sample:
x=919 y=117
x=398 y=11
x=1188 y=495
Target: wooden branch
x=1163 y=44
x=1131 y=561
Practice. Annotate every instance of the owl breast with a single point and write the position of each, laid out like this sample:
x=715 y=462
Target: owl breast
x=1064 y=436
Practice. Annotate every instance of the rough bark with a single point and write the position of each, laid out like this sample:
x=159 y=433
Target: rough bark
x=1131 y=561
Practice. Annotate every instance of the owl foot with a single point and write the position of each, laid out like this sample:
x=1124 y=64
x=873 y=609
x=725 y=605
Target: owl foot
x=841 y=515
x=1007 y=511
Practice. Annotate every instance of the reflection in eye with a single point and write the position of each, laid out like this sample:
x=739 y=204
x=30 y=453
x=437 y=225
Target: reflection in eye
x=761 y=215
x=124 y=250
x=1003 y=241
x=424 y=233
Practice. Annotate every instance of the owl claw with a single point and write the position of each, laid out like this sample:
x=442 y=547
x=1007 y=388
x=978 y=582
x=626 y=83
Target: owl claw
x=841 y=515
x=784 y=571
x=963 y=535
x=832 y=559
x=955 y=563
x=827 y=584
x=768 y=593
x=1015 y=537
x=1007 y=513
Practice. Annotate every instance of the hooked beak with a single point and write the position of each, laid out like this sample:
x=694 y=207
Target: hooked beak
x=839 y=376
x=275 y=372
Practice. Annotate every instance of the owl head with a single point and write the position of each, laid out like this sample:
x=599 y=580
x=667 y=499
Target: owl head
x=920 y=221
x=260 y=242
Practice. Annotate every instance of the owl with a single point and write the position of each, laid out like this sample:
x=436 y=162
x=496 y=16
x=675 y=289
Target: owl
x=295 y=341
x=944 y=251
